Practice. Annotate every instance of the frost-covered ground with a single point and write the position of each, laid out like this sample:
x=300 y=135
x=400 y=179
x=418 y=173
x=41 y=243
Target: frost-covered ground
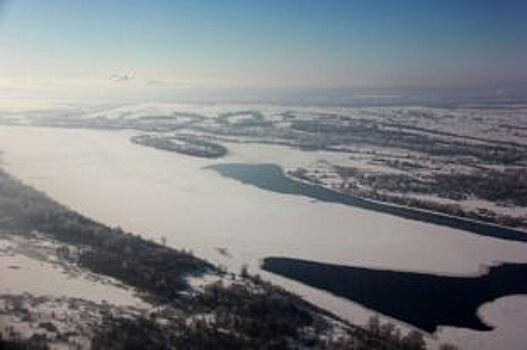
x=43 y=293
x=31 y=264
x=155 y=193
x=408 y=155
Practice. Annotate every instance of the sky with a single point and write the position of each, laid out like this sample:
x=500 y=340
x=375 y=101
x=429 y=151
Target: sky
x=149 y=47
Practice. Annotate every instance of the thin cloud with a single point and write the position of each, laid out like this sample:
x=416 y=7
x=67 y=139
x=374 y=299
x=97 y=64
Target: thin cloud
x=122 y=77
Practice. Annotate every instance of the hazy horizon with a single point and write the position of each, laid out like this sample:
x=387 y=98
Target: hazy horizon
x=262 y=51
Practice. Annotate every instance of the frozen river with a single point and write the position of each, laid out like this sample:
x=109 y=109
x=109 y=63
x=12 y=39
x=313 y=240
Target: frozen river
x=155 y=193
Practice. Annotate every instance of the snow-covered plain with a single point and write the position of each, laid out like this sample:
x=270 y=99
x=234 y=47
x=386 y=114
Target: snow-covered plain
x=37 y=288
x=154 y=193
x=415 y=135
x=30 y=265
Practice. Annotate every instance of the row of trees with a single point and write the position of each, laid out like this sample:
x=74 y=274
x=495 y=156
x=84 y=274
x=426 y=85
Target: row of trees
x=368 y=132
x=138 y=262
x=183 y=143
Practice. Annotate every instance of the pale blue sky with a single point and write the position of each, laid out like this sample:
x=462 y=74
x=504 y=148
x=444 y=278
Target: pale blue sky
x=264 y=44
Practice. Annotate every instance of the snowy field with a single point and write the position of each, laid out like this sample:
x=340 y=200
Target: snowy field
x=42 y=293
x=159 y=194
x=411 y=155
